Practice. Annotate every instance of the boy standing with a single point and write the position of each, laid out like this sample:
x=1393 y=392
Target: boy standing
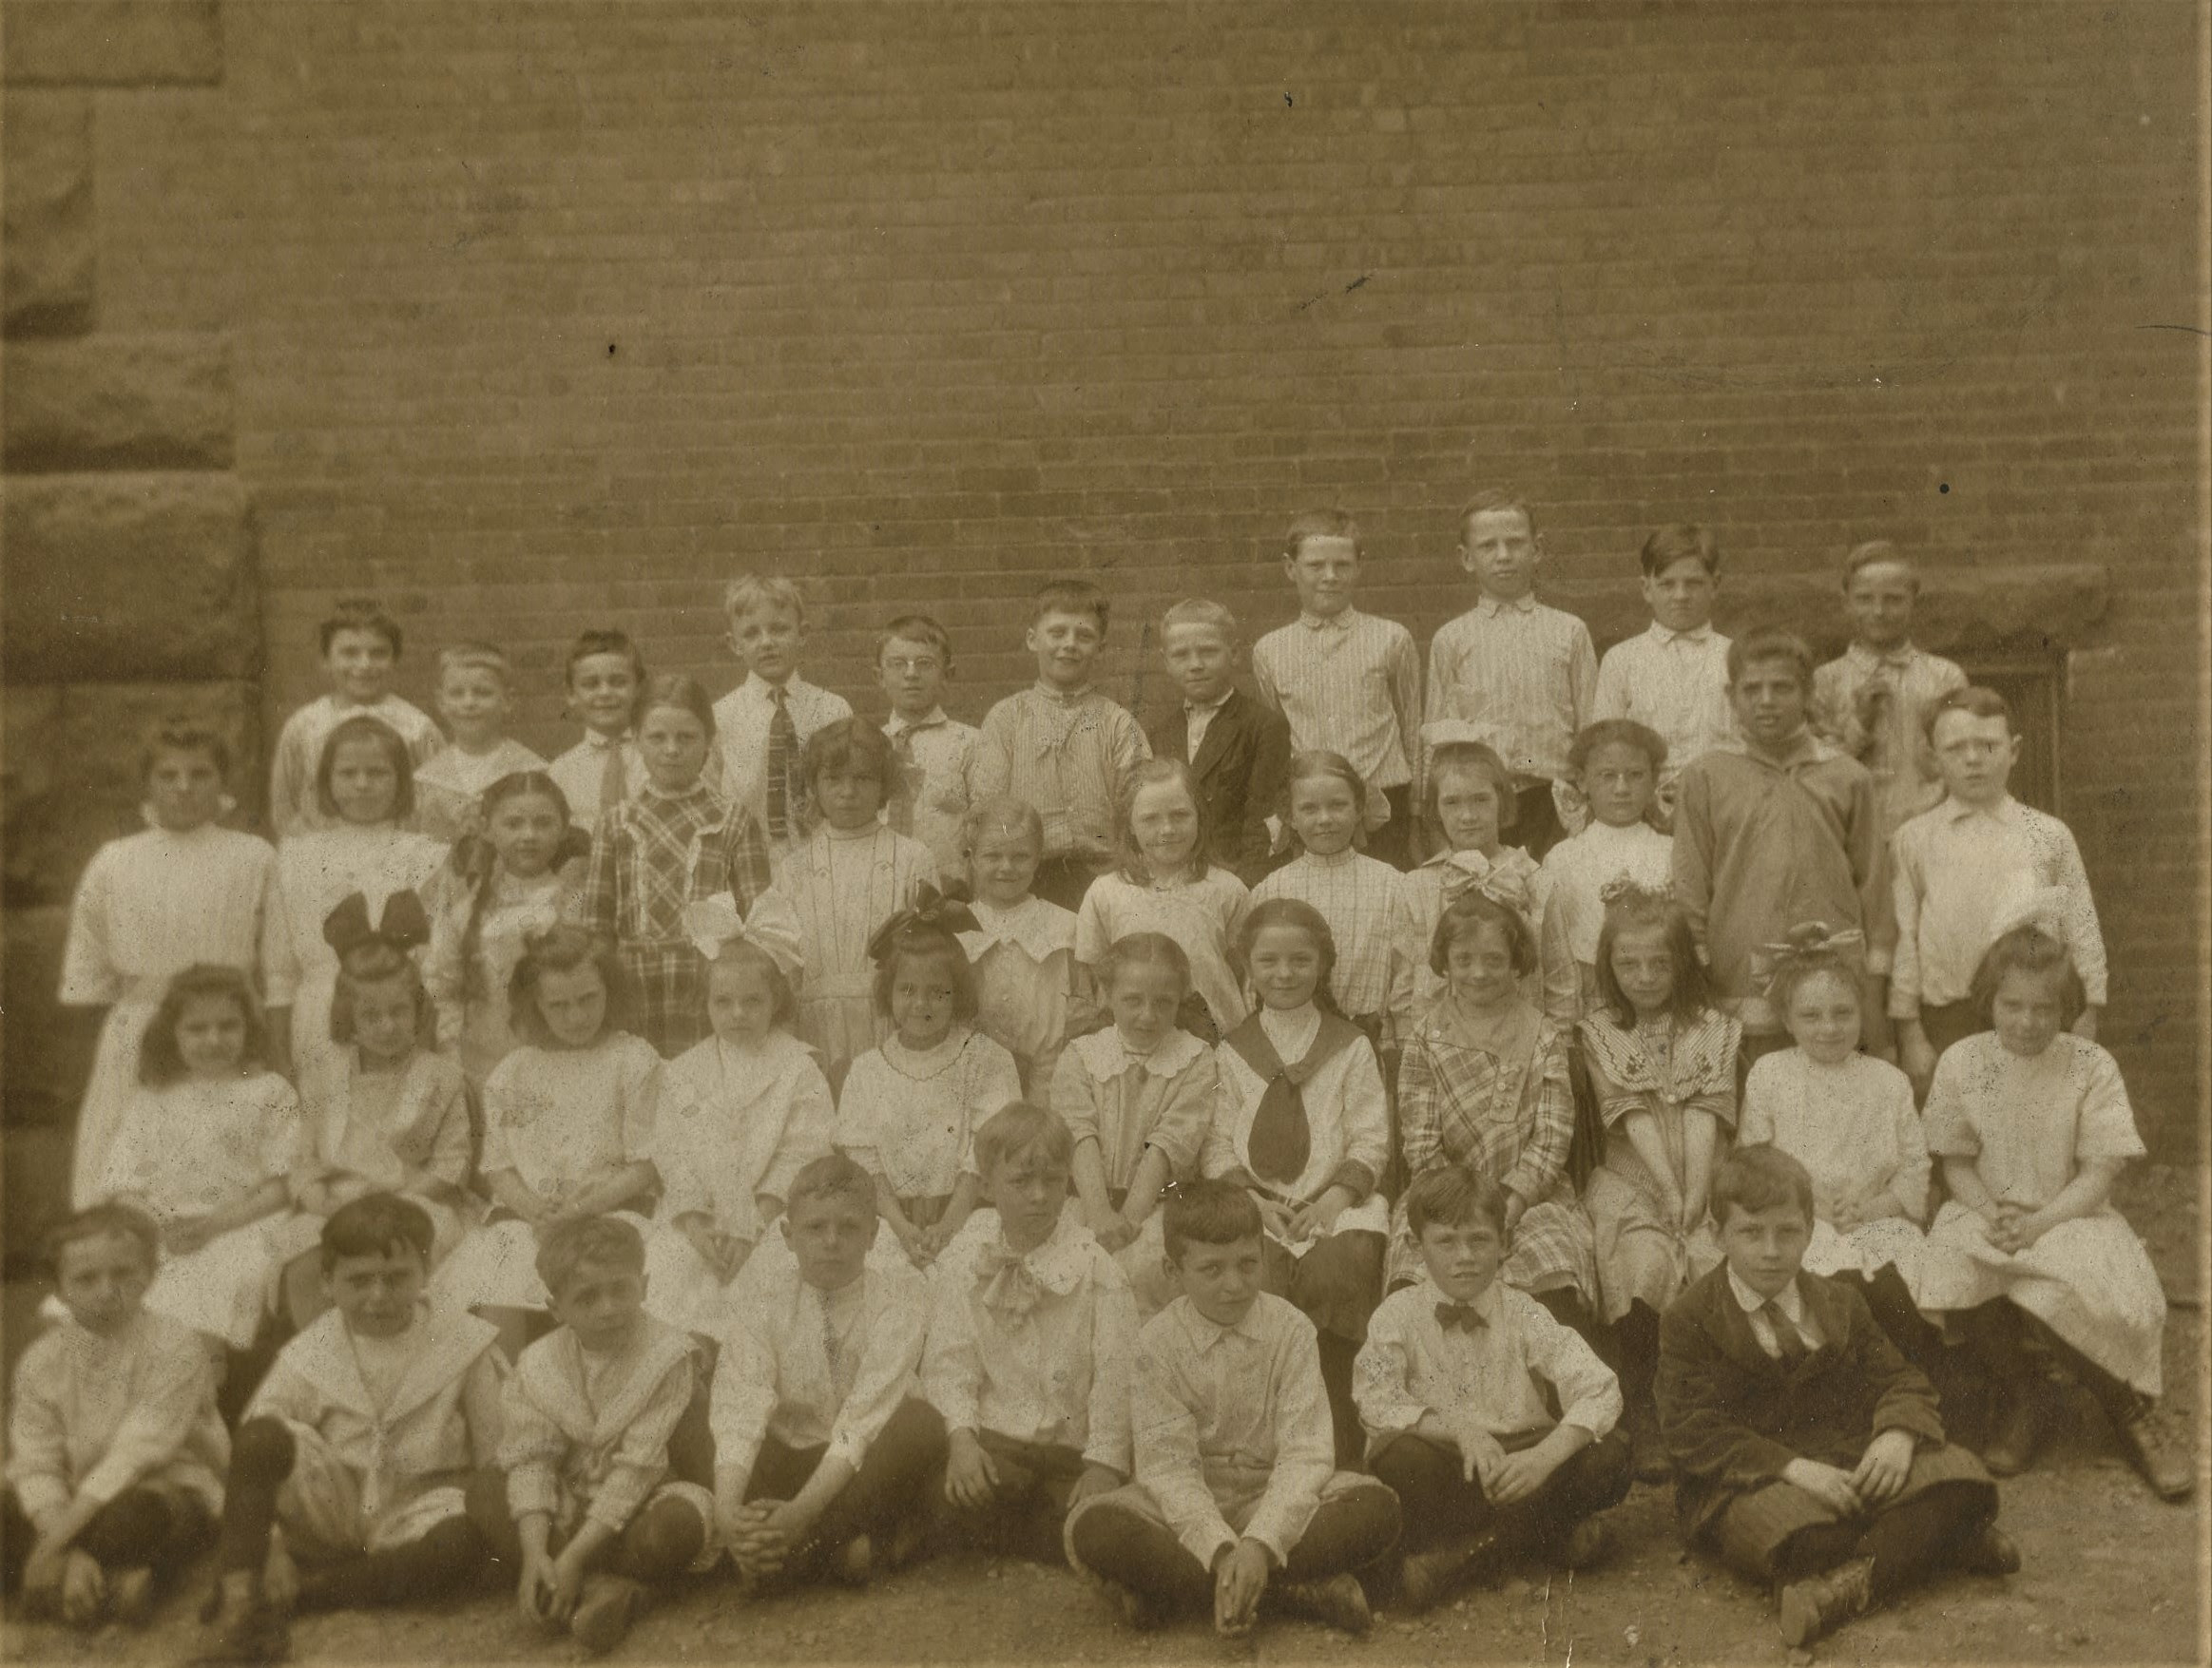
x=1061 y=745
x=761 y=726
x=1872 y=700
x=475 y=699
x=115 y=1452
x=929 y=801
x=1347 y=682
x=595 y=1516
x=360 y=648
x=606 y=675
x=1456 y=1385
x=1510 y=671
x=1808 y=1453
x=1237 y=1501
x=1957 y=865
x=1780 y=830
x=355 y=1453
x=1236 y=746
x=1673 y=676
x=822 y=1447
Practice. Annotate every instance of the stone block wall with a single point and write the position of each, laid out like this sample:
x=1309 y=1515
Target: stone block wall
x=127 y=557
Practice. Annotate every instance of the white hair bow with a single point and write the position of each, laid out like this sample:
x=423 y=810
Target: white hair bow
x=772 y=924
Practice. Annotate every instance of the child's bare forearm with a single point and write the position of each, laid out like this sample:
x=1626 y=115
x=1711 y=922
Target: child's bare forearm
x=1966 y=1186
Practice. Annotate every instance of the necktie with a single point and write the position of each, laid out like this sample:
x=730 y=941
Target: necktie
x=782 y=755
x=1006 y=1283
x=906 y=789
x=614 y=781
x=1462 y=1316
x=1790 y=1341
x=1282 y=1136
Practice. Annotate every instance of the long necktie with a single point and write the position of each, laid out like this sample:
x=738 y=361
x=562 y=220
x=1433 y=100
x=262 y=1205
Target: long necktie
x=1788 y=1340
x=782 y=752
x=906 y=789
x=614 y=780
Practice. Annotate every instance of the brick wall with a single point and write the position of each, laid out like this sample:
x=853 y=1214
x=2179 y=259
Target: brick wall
x=546 y=314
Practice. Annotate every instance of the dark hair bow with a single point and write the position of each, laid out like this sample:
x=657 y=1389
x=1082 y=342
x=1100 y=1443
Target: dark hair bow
x=346 y=928
x=931 y=908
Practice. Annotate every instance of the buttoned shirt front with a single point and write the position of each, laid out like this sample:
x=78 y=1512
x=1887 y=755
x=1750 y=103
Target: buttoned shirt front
x=1517 y=675
x=1675 y=682
x=1348 y=683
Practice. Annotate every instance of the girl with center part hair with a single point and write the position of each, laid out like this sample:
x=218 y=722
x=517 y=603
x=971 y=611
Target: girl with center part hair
x=1031 y=993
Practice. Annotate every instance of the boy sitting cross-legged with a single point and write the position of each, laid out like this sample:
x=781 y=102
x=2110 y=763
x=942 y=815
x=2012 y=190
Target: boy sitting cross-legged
x=1031 y=1328
x=599 y=1508
x=1456 y=1386
x=354 y=1455
x=823 y=1449
x=1238 y=1500
x=1808 y=1453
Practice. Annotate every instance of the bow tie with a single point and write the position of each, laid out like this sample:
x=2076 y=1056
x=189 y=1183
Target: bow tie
x=1007 y=1283
x=1464 y=1316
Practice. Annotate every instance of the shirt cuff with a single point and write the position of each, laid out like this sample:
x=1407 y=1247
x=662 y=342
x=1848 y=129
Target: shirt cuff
x=532 y=1488
x=104 y=1482
x=1205 y=1541
x=845 y=1445
x=1355 y=1177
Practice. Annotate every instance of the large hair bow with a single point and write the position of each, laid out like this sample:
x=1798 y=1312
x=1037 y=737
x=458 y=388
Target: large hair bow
x=346 y=928
x=931 y=908
x=1807 y=942
x=771 y=925
x=1627 y=888
x=2043 y=908
x=1501 y=886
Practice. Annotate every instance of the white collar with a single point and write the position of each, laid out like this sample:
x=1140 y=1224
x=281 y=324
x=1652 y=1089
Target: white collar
x=1695 y=634
x=1036 y=926
x=1790 y=1301
x=1958 y=810
x=1203 y=1335
x=760 y=689
x=1524 y=603
x=1292 y=1031
x=1343 y=620
x=1867 y=659
x=1195 y=707
x=1105 y=1055
x=898 y=724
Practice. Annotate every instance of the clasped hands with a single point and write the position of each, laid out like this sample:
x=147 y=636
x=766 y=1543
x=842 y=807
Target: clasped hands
x=1878 y=1477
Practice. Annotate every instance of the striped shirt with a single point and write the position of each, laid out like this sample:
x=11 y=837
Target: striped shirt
x=1953 y=869
x=1517 y=675
x=1359 y=896
x=1895 y=749
x=1350 y=684
x=1675 y=682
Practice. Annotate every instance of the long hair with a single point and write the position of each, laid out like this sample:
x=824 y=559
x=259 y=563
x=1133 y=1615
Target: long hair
x=361 y=727
x=480 y=865
x=1634 y=910
x=1151 y=774
x=1295 y=912
x=159 y=1063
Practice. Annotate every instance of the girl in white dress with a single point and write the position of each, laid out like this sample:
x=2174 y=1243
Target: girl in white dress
x=1031 y=993
x=909 y=1107
x=2032 y=1125
x=364 y=783
x=185 y=891
x=1301 y=1119
x=1358 y=896
x=383 y=1111
x=567 y=1128
x=205 y=1148
x=740 y=1113
x=1616 y=762
x=1848 y=1119
x=1166 y=883
x=846 y=879
x=527 y=873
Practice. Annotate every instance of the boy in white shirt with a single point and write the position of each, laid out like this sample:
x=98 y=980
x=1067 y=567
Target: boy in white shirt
x=1238 y=1502
x=929 y=800
x=1455 y=1386
x=823 y=1449
x=1673 y=676
x=475 y=697
x=606 y=679
x=761 y=727
x=1030 y=1329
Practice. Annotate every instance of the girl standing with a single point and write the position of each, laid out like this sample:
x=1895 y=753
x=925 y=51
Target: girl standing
x=1031 y=993
x=1618 y=764
x=184 y=891
x=673 y=840
x=1166 y=884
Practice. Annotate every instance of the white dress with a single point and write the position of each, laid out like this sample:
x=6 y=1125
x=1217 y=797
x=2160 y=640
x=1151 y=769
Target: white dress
x=1853 y=1126
x=1201 y=915
x=911 y=1118
x=192 y=1147
x=149 y=906
x=844 y=886
x=479 y=1019
x=1029 y=989
x=2029 y=1123
x=563 y=1119
x=1578 y=868
x=316 y=872
x=732 y=1124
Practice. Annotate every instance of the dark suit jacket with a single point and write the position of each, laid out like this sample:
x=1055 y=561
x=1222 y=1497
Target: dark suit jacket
x=1239 y=767
x=1734 y=1417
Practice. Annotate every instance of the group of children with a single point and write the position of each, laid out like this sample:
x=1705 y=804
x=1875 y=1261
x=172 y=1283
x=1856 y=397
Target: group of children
x=1217 y=1158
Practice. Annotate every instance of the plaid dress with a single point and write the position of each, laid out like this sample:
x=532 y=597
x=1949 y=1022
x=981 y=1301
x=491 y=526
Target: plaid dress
x=653 y=853
x=1500 y=1104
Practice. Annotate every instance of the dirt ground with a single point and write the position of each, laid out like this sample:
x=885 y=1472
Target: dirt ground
x=2109 y=1575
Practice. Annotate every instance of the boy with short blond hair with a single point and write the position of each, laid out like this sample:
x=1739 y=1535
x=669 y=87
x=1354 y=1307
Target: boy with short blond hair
x=1236 y=746
x=932 y=753
x=1872 y=700
x=475 y=697
x=1511 y=671
x=595 y=1513
x=761 y=727
x=1672 y=677
x=1347 y=683
x=1496 y=1426
x=361 y=645
x=1062 y=745
x=115 y=1452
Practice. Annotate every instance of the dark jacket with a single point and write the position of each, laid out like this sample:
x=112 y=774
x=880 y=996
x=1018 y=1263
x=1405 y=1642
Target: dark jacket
x=1239 y=768
x=1733 y=1416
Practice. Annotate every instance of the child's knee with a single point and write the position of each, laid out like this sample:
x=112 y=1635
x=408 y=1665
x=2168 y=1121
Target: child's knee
x=262 y=1451
x=665 y=1540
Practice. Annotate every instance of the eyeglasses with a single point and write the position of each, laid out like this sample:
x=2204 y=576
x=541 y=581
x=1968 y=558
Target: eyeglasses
x=918 y=663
